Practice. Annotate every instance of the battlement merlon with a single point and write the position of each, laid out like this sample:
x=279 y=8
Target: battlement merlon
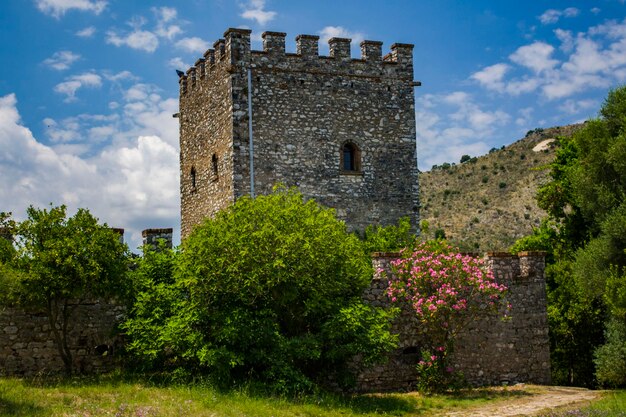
x=307 y=46
x=236 y=42
x=274 y=43
x=234 y=51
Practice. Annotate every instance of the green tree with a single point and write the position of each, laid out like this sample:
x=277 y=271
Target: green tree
x=60 y=262
x=389 y=238
x=154 y=298
x=585 y=201
x=270 y=289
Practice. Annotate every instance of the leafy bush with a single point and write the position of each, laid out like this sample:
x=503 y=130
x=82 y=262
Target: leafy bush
x=154 y=296
x=270 y=289
x=610 y=358
x=389 y=238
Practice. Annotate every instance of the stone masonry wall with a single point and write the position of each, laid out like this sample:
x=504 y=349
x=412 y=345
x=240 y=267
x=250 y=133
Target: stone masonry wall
x=490 y=351
x=305 y=107
x=27 y=347
x=206 y=129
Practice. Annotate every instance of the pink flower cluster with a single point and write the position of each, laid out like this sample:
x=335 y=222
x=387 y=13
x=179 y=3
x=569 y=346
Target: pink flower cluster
x=444 y=288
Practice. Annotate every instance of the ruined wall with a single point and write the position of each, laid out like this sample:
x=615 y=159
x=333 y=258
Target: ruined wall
x=27 y=347
x=305 y=107
x=490 y=351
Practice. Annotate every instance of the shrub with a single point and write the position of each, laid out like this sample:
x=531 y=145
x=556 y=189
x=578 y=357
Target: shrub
x=610 y=358
x=502 y=185
x=389 y=238
x=446 y=290
x=270 y=289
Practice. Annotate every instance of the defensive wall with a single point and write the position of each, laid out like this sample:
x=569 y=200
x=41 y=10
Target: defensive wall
x=308 y=113
x=490 y=351
x=27 y=346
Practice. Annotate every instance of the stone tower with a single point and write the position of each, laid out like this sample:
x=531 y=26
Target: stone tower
x=340 y=129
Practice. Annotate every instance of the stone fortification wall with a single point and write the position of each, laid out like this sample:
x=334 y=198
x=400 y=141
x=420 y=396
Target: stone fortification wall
x=490 y=351
x=27 y=347
x=207 y=152
x=305 y=108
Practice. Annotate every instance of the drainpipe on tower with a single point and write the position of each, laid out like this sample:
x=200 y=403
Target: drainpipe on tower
x=251 y=145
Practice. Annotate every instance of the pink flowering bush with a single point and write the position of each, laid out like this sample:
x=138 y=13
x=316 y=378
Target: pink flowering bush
x=446 y=290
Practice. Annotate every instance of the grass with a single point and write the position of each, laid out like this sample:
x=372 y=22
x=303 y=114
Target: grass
x=612 y=404
x=121 y=397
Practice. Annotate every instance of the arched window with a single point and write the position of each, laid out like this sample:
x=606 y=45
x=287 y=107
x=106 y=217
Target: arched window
x=214 y=167
x=193 y=177
x=350 y=157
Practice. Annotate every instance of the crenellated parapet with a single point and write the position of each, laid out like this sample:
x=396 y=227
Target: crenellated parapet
x=233 y=53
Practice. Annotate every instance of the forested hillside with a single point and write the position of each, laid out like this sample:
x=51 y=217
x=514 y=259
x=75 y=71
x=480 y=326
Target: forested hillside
x=488 y=202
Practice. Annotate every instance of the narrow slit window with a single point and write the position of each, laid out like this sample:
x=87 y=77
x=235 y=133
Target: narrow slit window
x=193 y=177
x=214 y=167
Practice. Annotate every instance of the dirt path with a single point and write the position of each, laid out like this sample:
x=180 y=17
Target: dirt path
x=538 y=399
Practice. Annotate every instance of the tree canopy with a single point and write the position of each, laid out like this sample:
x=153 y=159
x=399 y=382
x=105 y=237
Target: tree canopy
x=586 y=235
x=60 y=261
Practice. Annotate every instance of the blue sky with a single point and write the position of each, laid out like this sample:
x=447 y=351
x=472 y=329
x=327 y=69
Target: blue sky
x=88 y=87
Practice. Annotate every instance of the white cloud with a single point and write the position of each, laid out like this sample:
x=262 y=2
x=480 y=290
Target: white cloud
x=75 y=82
x=536 y=56
x=566 y=38
x=58 y=133
x=340 y=32
x=164 y=16
x=524 y=117
x=137 y=39
x=451 y=125
x=593 y=59
x=61 y=60
x=177 y=63
x=87 y=32
x=58 y=8
x=329 y=32
x=492 y=77
x=121 y=76
x=255 y=10
x=194 y=45
x=577 y=106
x=595 y=10
x=167 y=27
x=131 y=184
x=552 y=15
